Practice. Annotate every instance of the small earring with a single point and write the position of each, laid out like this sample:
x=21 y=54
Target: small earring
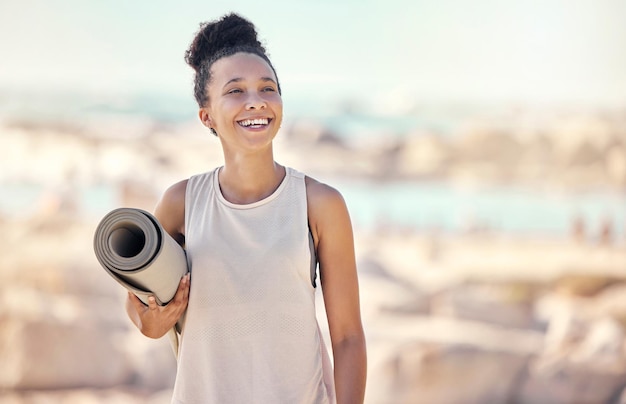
x=213 y=131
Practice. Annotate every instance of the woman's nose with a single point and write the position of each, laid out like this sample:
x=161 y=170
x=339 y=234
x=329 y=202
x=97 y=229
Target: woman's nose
x=255 y=101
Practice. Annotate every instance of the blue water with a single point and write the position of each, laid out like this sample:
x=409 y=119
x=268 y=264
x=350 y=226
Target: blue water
x=427 y=206
x=421 y=206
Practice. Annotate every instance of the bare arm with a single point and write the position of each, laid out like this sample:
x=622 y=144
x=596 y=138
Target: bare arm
x=332 y=231
x=152 y=320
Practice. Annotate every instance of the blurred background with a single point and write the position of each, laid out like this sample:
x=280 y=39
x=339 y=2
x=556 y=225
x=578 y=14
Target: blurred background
x=480 y=147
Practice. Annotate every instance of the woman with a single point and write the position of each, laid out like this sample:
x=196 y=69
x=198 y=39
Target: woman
x=252 y=230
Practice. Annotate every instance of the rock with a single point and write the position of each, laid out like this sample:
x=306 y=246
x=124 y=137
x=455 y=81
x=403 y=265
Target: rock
x=422 y=155
x=384 y=296
x=582 y=363
x=87 y=396
x=568 y=382
x=585 y=285
x=305 y=131
x=581 y=131
x=41 y=354
x=603 y=345
x=610 y=303
x=386 y=292
x=484 y=142
x=508 y=305
x=371 y=266
x=54 y=341
x=418 y=304
x=564 y=331
x=425 y=359
x=436 y=373
x=615 y=162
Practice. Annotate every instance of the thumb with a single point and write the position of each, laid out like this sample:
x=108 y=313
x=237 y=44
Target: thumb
x=152 y=303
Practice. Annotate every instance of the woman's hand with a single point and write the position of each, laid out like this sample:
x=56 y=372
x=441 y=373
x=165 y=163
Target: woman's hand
x=153 y=320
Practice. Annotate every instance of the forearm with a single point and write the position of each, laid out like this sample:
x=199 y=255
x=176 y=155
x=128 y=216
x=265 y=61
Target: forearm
x=350 y=362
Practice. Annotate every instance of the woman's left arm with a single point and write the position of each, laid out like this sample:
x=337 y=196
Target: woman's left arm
x=332 y=231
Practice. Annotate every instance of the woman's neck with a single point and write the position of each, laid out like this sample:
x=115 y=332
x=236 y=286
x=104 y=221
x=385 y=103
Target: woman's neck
x=251 y=179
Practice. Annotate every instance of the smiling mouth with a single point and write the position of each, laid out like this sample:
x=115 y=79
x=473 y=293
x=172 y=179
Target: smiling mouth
x=254 y=123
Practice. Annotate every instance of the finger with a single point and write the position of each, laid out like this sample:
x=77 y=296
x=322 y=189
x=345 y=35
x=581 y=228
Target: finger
x=152 y=305
x=183 y=290
x=184 y=282
x=187 y=287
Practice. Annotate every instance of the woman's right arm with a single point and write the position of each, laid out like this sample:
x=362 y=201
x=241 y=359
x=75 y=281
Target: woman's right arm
x=153 y=320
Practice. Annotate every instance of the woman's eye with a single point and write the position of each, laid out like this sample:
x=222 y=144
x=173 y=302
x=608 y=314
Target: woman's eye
x=266 y=89
x=234 y=91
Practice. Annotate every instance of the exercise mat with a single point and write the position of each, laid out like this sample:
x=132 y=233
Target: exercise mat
x=132 y=246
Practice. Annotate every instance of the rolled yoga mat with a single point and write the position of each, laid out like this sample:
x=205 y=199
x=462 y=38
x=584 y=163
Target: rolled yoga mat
x=132 y=246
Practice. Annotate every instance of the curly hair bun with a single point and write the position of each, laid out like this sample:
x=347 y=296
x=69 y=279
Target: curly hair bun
x=230 y=31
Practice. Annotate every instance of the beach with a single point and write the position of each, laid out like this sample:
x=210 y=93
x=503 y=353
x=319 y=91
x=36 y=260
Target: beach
x=492 y=260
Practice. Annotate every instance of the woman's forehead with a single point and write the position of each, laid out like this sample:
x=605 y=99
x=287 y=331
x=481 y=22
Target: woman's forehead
x=242 y=66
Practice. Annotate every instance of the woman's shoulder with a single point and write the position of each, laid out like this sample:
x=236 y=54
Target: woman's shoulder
x=319 y=190
x=322 y=198
x=175 y=194
x=329 y=219
x=170 y=210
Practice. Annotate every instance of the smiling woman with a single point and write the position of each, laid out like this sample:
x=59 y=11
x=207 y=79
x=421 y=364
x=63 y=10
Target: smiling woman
x=254 y=232
x=244 y=93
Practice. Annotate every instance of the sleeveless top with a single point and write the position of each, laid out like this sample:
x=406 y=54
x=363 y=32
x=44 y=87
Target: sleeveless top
x=250 y=334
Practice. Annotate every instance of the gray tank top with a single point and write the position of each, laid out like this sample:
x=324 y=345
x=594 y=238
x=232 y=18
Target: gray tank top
x=251 y=334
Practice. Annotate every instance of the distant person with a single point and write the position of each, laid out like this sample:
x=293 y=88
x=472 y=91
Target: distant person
x=252 y=230
x=605 y=236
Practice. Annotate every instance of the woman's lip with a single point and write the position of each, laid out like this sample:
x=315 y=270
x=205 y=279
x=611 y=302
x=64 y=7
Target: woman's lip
x=253 y=125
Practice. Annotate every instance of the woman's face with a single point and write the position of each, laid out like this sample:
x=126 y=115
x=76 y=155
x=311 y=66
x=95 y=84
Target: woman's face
x=244 y=107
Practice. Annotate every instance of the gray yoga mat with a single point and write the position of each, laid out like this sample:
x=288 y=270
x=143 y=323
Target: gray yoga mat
x=132 y=247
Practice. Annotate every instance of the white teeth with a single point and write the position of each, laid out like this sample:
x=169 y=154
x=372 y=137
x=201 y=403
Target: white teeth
x=250 y=122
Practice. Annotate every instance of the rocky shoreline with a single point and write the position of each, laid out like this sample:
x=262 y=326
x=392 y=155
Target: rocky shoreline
x=573 y=150
x=563 y=150
x=476 y=317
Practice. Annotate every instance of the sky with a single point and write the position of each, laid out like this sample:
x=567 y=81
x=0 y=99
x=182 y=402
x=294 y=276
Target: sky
x=390 y=50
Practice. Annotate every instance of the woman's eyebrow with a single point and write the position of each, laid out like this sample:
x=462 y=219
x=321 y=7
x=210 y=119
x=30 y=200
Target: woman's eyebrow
x=240 y=79
x=234 y=80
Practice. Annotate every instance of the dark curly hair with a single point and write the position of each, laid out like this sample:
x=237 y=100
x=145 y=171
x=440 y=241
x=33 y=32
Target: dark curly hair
x=227 y=36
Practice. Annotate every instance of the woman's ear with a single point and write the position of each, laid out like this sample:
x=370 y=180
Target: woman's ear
x=205 y=118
